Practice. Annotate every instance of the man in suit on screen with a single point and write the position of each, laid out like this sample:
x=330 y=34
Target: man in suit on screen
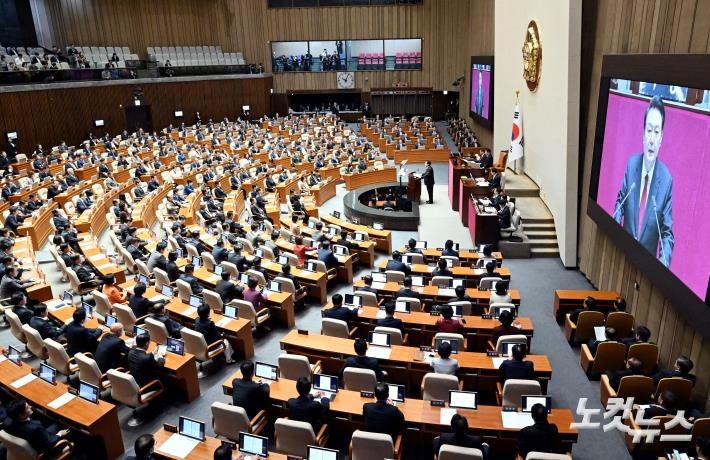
x=478 y=108
x=645 y=199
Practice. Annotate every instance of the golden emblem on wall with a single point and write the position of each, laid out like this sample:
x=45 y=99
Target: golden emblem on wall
x=532 y=56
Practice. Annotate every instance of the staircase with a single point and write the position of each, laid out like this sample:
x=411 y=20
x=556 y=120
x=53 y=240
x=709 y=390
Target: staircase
x=538 y=224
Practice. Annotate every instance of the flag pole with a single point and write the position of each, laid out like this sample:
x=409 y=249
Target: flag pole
x=517 y=103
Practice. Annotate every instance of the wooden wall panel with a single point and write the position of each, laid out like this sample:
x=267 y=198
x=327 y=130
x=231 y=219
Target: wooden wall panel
x=641 y=26
x=52 y=115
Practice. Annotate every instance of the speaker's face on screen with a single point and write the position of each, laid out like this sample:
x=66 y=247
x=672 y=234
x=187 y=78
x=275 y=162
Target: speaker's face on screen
x=652 y=136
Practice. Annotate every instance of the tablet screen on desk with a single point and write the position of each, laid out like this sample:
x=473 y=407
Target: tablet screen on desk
x=266 y=371
x=196 y=261
x=191 y=428
x=457 y=282
x=382 y=339
x=110 y=320
x=378 y=277
x=353 y=300
x=402 y=306
x=195 y=301
x=283 y=260
x=259 y=253
x=143 y=279
x=396 y=392
x=274 y=286
x=325 y=382
x=253 y=444
x=496 y=311
x=454 y=345
x=418 y=281
x=48 y=373
x=13 y=354
x=88 y=392
x=336 y=214
x=319 y=453
x=528 y=401
x=359 y=237
x=407 y=260
x=137 y=330
x=176 y=346
x=421 y=245
x=218 y=269
x=463 y=399
x=231 y=311
x=68 y=298
x=166 y=291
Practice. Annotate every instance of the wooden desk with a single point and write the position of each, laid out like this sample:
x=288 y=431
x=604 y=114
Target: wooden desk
x=382 y=238
x=483 y=227
x=376 y=176
x=421 y=155
x=203 y=451
x=323 y=191
x=405 y=365
x=345 y=263
x=419 y=415
x=99 y=421
x=457 y=170
x=474 y=274
x=39 y=226
x=95 y=257
x=87 y=172
x=466 y=256
x=467 y=190
x=24 y=253
x=568 y=300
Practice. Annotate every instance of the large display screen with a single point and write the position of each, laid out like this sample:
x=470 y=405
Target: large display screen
x=649 y=183
x=481 y=85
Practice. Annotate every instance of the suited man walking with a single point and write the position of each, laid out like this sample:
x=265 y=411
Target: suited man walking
x=645 y=199
x=428 y=178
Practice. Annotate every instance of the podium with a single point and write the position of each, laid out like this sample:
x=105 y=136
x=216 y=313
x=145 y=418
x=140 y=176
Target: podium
x=414 y=187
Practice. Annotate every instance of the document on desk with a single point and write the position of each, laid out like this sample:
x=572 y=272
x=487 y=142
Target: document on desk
x=105 y=266
x=379 y=352
x=189 y=311
x=96 y=257
x=224 y=322
x=445 y=415
x=178 y=445
x=158 y=298
x=380 y=314
x=490 y=210
x=516 y=420
x=497 y=362
x=600 y=333
x=62 y=400
x=22 y=381
x=213 y=278
x=447 y=292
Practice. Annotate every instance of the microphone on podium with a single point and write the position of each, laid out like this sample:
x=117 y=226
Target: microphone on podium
x=631 y=189
x=658 y=226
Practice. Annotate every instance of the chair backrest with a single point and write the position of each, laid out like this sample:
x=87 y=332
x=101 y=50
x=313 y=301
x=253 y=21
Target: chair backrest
x=125 y=316
x=609 y=357
x=230 y=268
x=356 y=379
x=514 y=389
x=516 y=338
x=124 y=388
x=209 y=261
x=17 y=448
x=191 y=250
x=366 y=445
x=195 y=343
x=334 y=328
x=213 y=300
x=58 y=357
x=142 y=267
x=680 y=387
x=465 y=305
x=414 y=303
x=369 y=299
x=647 y=353
x=103 y=304
x=621 y=321
x=701 y=427
x=586 y=322
x=88 y=369
x=246 y=311
x=34 y=342
x=441 y=281
x=16 y=326
x=546 y=456
x=395 y=276
x=488 y=282
x=157 y=330
x=229 y=420
x=416 y=257
x=293 y=367
x=258 y=275
x=395 y=334
x=640 y=387
x=184 y=290
x=437 y=386
x=451 y=452
x=454 y=260
x=293 y=437
x=450 y=336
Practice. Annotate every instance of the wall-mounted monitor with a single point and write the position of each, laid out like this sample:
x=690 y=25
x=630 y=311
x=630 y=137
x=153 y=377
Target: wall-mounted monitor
x=12 y=135
x=178 y=114
x=481 y=85
x=98 y=123
x=649 y=182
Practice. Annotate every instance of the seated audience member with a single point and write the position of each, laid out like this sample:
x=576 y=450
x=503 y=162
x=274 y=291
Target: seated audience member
x=367 y=281
x=507 y=326
x=143 y=448
x=219 y=253
x=286 y=273
x=19 y=307
x=504 y=214
x=449 y=249
x=361 y=361
x=156 y=258
x=412 y=247
x=681 y=368
x=642 y=335
x=11 y=283
x=702 y=448
x=542 y=436
x=610 y=336
x=171 y=267
x=111 y=290
x=236 y=258
x=634 y=366
x=381 y=416
x=81 y=339
x=516 y=367
x=112 y=351
x=248 y=394
x=389 y=320
x=620 y=304
x=223 y=452
x=487 y=256
x=189 y=278
x=338 y=311
x=406 y=289
x=142 y=364
x=442 y=269
x=45 y=326
x=205 y=326
x=460 y=295
x=500 y=293
x=444 y=364
x=306 y=407
x=396 y=264
x=19 y=423
x=446 y=323
x=589 y=304
x=325 y=255
x=667 y=405
x=227 y=290
x=300 y=250
x=158 y=313
x=139 y=304
x=252 y=295
x=459 y=437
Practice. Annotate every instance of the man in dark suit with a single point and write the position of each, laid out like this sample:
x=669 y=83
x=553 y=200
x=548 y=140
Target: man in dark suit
x=396 y=264
x=406 y=289
x=236 y=258
x=382 y=416
x=81 y=339
x=367 y=281
x=247 y=394
x=205 y=326
x=19 y=307
x=306 y=408
x=428 y=179
x=589 y=304
x=389 y=320
x=609 y=336
x=142 y=364
x=338 y=311
x=112 y=350
x=634 y=366
x=139 y=304
x=325 y=255
x=362 y=361
x=190 y=279
x=506 y=327
x=504 y=215
x=542 y=436
x=681 y=368
x=19 y=423
x=641 y=335
x=171 y=267
x=667 y=405
x=158 y=313
x=458 y=437
x=42 y=324
x=143 y=448
x=156 y=258
x=219 y=253
x=227 y=290
x=645 y=199
x=516 y=367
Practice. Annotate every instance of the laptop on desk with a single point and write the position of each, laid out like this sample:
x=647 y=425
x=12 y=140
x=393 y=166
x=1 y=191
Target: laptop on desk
x=328 y=384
